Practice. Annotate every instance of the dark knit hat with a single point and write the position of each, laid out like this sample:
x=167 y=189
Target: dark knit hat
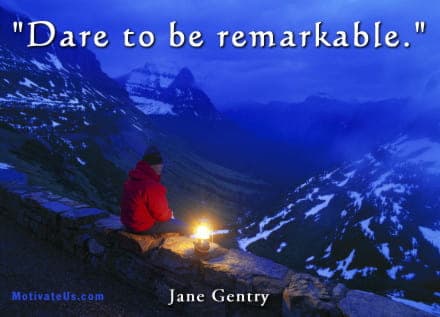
x=152 y=156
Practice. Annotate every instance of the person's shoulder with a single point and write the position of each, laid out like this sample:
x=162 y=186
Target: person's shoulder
x=156 y=187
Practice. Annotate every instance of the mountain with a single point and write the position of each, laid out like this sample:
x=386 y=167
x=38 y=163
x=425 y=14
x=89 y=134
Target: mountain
x=175 y=105
x=373 y=223
x=330 y=130
x=75 y=130
x=165 y=90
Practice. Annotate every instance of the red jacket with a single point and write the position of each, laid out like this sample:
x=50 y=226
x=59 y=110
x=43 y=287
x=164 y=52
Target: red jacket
x=143 y=199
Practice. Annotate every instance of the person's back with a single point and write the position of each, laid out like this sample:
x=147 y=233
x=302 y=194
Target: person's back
x=144 y=205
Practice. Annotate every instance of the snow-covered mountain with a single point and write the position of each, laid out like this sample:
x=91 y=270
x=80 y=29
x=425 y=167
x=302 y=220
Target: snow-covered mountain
x=167 y=90
x=374 y=223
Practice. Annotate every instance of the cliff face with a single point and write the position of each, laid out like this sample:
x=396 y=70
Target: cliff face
x=157 y=264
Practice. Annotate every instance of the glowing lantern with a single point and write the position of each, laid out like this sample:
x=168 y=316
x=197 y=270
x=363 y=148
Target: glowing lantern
x=202 y=234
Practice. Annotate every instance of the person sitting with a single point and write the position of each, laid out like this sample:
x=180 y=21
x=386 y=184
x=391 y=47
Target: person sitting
x=144 y=205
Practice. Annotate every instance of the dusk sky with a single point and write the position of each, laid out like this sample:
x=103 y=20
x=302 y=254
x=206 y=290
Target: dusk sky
x=232 y=75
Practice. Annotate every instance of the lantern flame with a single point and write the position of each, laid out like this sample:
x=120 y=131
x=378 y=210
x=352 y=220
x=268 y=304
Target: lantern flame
x=203 y=232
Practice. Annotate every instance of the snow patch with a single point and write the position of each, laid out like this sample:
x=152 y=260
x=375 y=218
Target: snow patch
x=245 y=242
x=28 y=83
x=344 y=264
x=325 y=272
x=151 y=106
x=325 y=202
x=80 y=161
x=420 y=151
x=40 y=66
x=392 y=273
x=357 y=199
x=55 y=61
x=408 y=276
x=328 y=251
x=310 y=258
x=433 y=236
x=365 y=225
x=281 y=247
x=5 y=166
x=137 y=127
x=344 y=182
x=385 y=250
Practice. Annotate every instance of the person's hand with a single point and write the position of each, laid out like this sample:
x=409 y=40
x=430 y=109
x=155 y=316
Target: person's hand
x=172 y=215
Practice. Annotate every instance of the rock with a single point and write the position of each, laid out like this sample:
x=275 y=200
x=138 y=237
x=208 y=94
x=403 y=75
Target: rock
x=78 y=217
x=94 y=247
x=264 y=284
x=53 y=196
x=11 y=177
x=177 y=254
x=39 y=197
x=112 y=222
x=339 y=291
x=307 y=295
x=55 y=207
x=364 y=304
x=242 y=265
x=81 y=239
x=72 y=203
x=138 y=244
x=36 y=217
x=135 y=271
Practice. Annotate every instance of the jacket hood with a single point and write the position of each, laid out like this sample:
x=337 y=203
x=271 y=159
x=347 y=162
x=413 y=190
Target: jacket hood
x=143 y=171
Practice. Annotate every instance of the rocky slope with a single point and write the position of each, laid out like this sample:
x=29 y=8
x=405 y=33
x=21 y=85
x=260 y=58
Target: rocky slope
x=373 y=223
x=167 y=90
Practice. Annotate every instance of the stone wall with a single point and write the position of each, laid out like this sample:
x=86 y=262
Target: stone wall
x=156 y=264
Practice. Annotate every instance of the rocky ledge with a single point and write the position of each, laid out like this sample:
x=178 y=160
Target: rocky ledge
x=225 y=282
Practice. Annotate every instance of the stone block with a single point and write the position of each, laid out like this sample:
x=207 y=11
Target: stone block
x=11 y=176
x=72 y=203
x=177 y=254
x=53 y=196
x=236 y=269
x=68 y=245
x=364 y=304
x=55 y=207
x=136 y=271
x=10 y=202
x=309 y=296
x=33 y=198
x=78 y=217
x=35 y=216
x=80 y=242
x=95 y=248
x=138 y=244
x=42 y=232
x=112 y=222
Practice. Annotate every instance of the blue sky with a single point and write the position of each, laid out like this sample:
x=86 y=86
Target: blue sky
x=232 y=75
